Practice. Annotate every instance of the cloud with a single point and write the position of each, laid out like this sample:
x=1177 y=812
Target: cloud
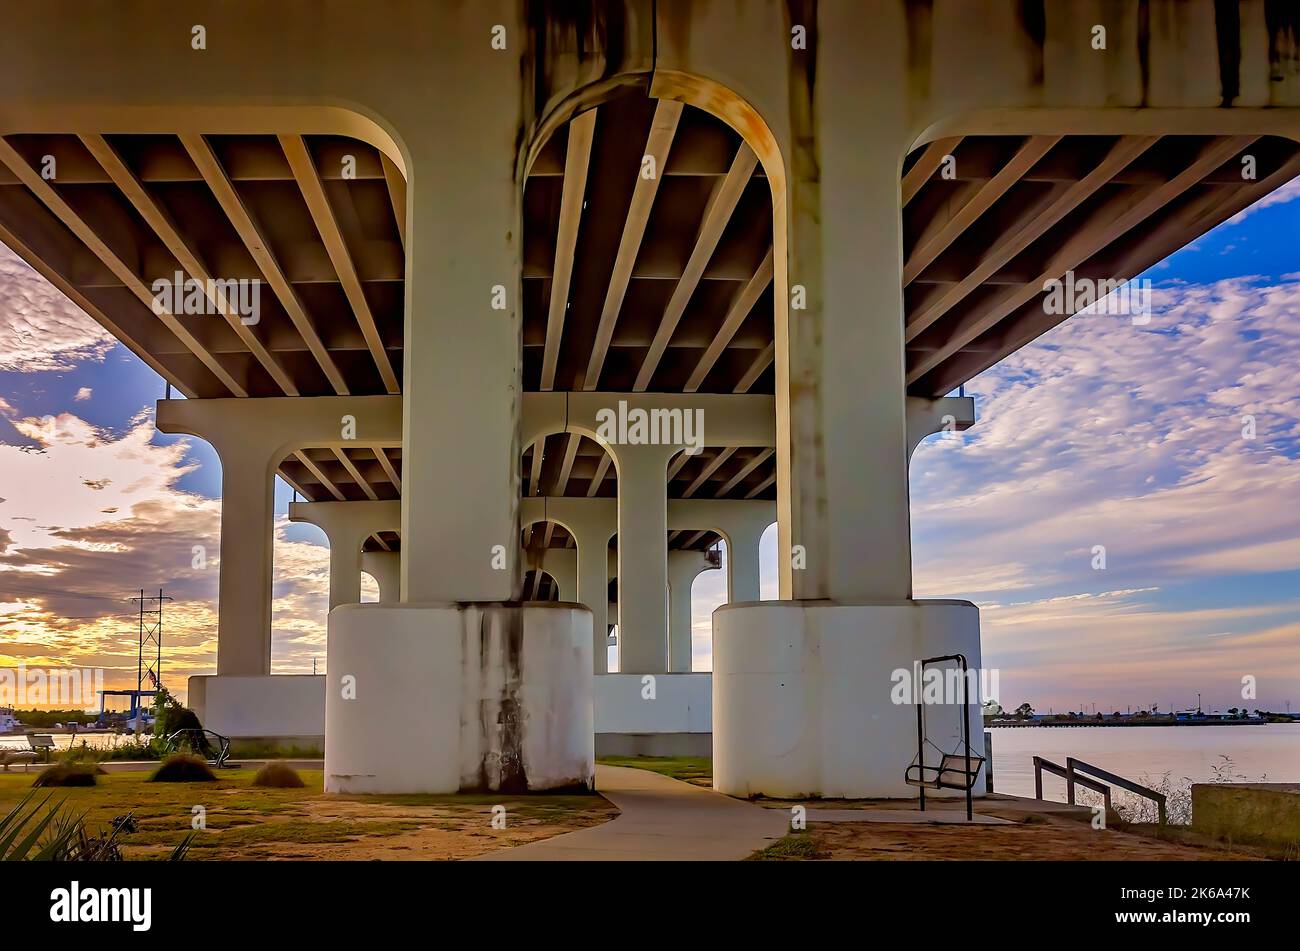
x=83 y=394
x=40 y=329
x=1175 y=446
x=99 y=517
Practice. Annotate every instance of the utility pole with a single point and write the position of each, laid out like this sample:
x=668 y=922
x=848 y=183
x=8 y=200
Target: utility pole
x=150 y=643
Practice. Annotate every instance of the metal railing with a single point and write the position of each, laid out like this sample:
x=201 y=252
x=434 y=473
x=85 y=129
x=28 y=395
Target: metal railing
x=1076 y=772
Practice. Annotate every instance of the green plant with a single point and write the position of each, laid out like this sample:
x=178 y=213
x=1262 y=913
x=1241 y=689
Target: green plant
x=792 y=847
x=59 y=836
x=183 y=768
x=132 y=749
x=278 y=776
x=68 y=774
x=24 y=836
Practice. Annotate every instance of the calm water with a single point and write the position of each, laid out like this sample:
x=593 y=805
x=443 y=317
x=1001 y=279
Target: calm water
x=63 y=740
x=1269 y=752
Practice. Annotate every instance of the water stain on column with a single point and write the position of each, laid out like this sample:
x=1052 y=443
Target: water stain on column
x=500 y=723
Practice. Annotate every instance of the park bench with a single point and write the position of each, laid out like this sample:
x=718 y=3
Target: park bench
x=39 y=746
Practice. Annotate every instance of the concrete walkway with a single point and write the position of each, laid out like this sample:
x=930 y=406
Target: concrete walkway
x=899 y=817
x=661 y=819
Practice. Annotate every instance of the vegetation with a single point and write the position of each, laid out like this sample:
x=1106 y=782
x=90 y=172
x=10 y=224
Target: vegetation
x=68 y=774
x=691 y=769
x=251 y=749
x=44 y=719
x=26 y=835
x=246 y=822
x=183 y=768
x=793 y=847
x=278 y=776
x=77 y=766
x=1135 y=809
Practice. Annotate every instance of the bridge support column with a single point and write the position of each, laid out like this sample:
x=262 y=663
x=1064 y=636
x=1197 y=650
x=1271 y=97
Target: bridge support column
x=802 y=699
x=744 y=534
x=683 y=568
x=643 y=557
x=247 y=540
x=495 y=695
x=593 y=587
x=386 y=568
x=347 y=525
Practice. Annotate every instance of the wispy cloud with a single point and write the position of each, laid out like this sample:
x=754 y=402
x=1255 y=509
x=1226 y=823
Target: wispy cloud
x=40 y=329
x=89 y=517
x=1172 y=448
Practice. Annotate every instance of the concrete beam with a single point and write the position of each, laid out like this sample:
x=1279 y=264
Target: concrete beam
x=927 y=417
x=729 y=419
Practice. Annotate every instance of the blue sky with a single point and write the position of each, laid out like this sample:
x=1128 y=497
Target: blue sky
x=1100 y=433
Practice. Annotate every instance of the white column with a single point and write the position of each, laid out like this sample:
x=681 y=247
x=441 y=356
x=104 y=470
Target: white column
x=593 y=591
x=643 y=557
x=742 y=559
x=244 y=586
x=461 y=381
x=840 y=381
x=683 y=568
x=386 y=568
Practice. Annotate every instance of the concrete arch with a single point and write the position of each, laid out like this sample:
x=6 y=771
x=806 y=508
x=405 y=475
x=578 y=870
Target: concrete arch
x=724 y=103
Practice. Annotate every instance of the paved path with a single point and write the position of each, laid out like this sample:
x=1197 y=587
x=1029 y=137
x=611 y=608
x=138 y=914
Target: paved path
x=661 y=818
x=899 y=817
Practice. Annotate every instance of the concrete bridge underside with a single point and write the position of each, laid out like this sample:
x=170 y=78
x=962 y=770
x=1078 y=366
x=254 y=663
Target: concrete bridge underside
x=477 y=227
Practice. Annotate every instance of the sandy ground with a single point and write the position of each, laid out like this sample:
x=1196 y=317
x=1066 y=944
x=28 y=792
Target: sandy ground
x=1042 y=831
x=244 y=822
x=1047 y=838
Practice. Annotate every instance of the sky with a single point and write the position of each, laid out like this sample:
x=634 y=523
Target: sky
x=1100 y=433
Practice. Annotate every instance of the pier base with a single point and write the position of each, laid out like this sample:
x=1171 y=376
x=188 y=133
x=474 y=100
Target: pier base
x=474 y=697
x=804 y=703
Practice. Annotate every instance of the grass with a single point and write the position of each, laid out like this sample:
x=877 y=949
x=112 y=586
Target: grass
x=278 y=776
x=68 y=774
x=690 y=769
x=183 y=768
x=243 y=821
x=797 y=846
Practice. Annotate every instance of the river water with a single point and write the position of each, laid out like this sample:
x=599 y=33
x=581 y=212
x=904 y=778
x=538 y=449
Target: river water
x=1270 y=752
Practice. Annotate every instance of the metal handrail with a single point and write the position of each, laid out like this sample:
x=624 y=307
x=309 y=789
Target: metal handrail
x=1075 y=766
x=1056 y=769
x=1076 y=772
